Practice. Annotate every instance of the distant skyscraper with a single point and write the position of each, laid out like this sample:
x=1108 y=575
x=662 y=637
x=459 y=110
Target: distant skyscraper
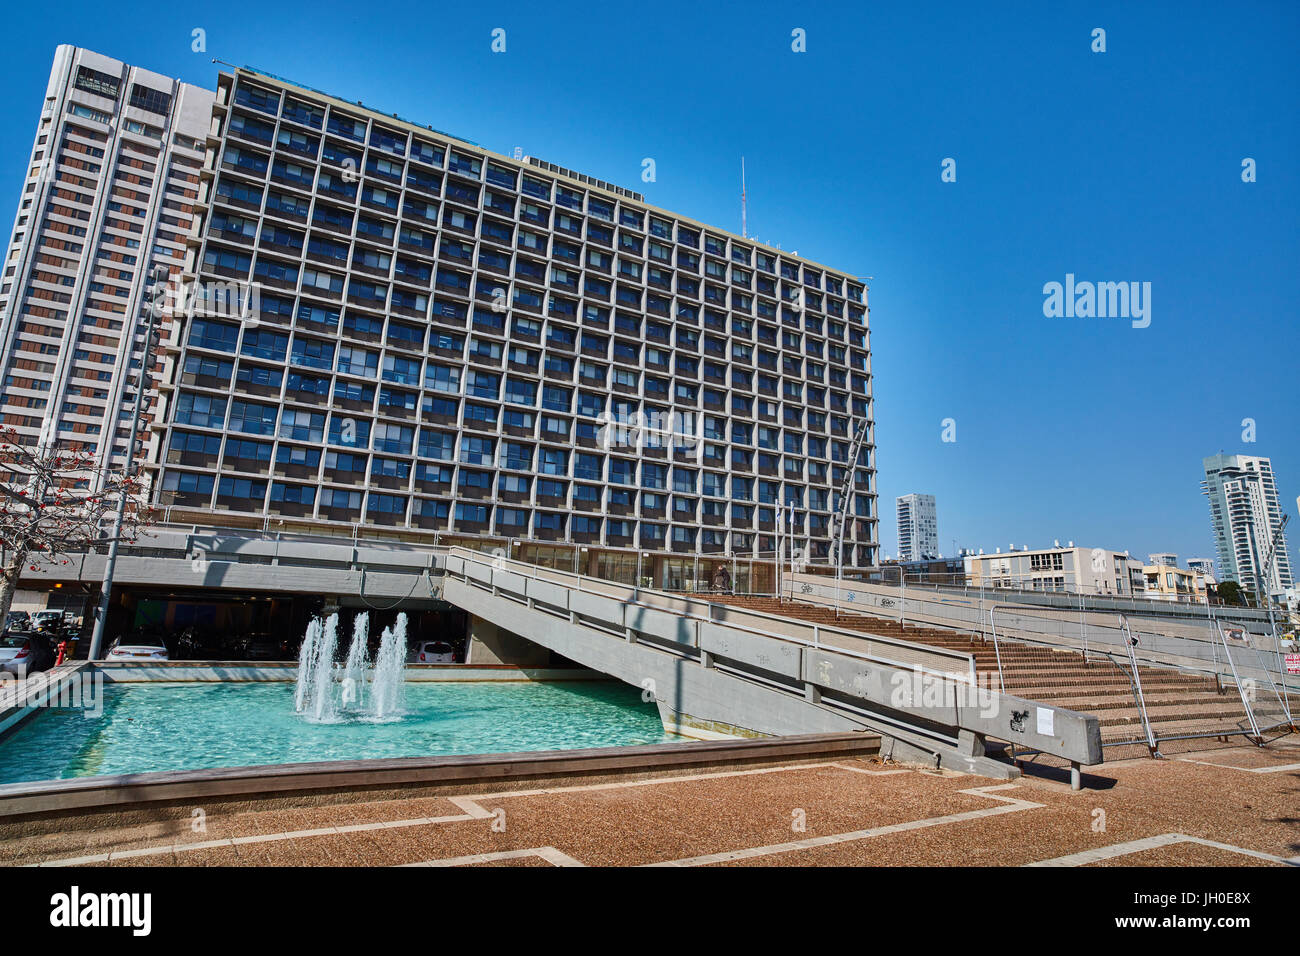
x=108 y=196
x=1245 y=515
x=918 y=528
x=1201 y=566
x=1166 y=559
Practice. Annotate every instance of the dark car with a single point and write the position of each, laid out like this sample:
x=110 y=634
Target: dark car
x=263 y=646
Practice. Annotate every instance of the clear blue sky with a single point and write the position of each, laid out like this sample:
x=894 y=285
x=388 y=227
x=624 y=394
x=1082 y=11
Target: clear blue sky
x=1123 y=165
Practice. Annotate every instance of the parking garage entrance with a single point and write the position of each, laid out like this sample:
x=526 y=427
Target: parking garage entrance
x=199 y=624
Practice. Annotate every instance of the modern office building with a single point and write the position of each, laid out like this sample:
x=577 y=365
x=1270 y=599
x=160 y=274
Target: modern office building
x=108 y=196
x=918 y=528
x=463 y=347
x=1246 y=518
x=1164 y=559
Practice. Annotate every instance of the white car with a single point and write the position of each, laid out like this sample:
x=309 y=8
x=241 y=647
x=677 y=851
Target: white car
x=432 y=652
x=137 y=652
x=18 y=653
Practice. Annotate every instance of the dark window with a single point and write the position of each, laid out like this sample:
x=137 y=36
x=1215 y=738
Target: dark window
x=93 y=81
x=155 y=101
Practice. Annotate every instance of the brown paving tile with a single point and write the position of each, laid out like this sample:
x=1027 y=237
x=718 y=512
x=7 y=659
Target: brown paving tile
x=306 y=851
x=211 y=856
x=161 y=859
x=678 y=818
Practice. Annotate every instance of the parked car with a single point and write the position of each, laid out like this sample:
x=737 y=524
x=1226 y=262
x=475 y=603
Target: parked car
x=261 y=646
x=432 y=652
x=48 y=620
x=137 y=652
x=18 y=622
x=193 y=644
x=24 y=654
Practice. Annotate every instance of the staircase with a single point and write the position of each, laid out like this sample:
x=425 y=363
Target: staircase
x=1177 y=703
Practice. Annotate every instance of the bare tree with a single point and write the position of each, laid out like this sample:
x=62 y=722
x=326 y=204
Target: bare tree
x=52 y=507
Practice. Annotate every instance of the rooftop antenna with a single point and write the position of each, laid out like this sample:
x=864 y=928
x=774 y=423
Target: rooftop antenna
x=744 y=224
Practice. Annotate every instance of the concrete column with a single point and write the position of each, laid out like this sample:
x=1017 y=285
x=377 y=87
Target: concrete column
x=970 y=743
x=489 y=644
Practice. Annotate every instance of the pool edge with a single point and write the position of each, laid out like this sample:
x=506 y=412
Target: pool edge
x=134 y=791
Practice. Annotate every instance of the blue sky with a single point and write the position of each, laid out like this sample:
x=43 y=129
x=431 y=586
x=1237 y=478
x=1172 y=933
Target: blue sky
x=1115 y=166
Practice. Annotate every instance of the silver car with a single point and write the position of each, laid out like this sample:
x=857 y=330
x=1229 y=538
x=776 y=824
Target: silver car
x=18 y=654
x=137 y=652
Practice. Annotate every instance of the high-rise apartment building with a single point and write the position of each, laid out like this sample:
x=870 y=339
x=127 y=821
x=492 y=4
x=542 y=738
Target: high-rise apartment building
x=918 y=529
x=1246 y=517
x=108 y=197
x=500 y=352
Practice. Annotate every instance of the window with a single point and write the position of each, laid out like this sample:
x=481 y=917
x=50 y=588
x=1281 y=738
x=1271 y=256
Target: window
x=203 y=410
x=442 y=378
x=437 y=445
x=154 y=100
x=477 y=451
x=249 y=450
x=313 y=353
x=521 y=392
x=302 y=425
x=265 y=344
x=241 y=488
x=93 y=81
x=293 y=494
x=213 y=335
x=393 y=438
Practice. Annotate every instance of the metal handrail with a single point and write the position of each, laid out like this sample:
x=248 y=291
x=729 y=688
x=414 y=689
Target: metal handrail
x=1130 y=643
x=1002 y=682
x=1245 y=702
x=1188 y=664
x=528 y=570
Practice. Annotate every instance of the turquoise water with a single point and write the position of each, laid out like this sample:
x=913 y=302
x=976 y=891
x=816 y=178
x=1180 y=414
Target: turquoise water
x=146 y=727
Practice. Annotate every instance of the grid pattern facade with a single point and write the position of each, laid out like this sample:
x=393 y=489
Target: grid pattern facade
x=444 y=334
x=918 y=529
x=109 y=195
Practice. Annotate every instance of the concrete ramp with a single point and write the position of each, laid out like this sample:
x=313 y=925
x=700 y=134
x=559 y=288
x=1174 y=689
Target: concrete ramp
x=714 y=669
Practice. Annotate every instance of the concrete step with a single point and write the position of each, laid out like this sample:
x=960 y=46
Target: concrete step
x=1177 y=703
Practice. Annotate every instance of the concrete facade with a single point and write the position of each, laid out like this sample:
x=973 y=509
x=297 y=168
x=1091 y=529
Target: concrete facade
x=108 y=198
x=500 y=352
x=1073 y=569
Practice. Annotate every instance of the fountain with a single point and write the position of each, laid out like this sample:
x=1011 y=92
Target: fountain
x=354 y=672
x=387 y=684
x=369 y=691
x=306 y=661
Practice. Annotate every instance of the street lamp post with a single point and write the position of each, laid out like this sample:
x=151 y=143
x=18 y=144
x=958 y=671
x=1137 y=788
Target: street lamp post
x=156 y=293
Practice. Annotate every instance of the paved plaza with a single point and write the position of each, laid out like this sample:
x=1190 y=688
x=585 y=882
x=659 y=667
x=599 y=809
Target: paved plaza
x=1235 y=806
